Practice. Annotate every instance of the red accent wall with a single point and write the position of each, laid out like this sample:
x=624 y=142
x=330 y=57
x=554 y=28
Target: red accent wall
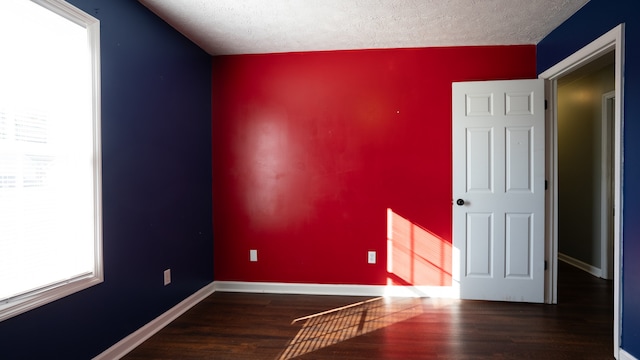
x=316 y=154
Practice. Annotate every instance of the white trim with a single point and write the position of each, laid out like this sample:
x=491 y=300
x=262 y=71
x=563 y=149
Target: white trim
x=551 y=197
x=124 y=346
x=626 y=356
x=448 y=292
x=606 y=183
x=595 y=49
x=595 y=271
x=611 y=41
x=68 y=11
x=47 y=295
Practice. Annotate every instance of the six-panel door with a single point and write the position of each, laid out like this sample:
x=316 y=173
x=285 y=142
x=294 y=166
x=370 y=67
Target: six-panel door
x=498 y=189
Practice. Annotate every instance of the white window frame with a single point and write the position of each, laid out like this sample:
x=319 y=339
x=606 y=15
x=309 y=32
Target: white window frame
x=48 y=293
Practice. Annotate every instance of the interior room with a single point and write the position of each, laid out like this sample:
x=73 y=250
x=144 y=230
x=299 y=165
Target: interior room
x=275 y=157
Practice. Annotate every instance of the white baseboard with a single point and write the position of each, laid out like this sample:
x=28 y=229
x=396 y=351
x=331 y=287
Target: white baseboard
x=449 y=292
x=130 y=342
x=124 y=346
x=595 y=271
x=626 y=356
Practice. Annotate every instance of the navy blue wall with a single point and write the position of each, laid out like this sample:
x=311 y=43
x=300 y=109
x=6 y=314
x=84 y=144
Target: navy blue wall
x=156 y=141
x=594 y=19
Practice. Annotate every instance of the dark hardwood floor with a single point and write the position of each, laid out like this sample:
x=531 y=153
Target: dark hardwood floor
x=278 y=327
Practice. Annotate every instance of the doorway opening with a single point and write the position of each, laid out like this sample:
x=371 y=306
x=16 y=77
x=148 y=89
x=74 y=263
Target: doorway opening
x=592 y=56
x=585 y=166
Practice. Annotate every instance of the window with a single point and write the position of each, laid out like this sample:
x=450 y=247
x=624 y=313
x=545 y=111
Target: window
x=50 y=182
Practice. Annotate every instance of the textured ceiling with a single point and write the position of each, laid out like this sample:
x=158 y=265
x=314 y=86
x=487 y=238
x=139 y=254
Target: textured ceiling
x=223 y=27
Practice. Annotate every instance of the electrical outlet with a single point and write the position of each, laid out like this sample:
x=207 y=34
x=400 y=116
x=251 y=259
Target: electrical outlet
x=167 y=277
x=253 y=255
x=371 y=257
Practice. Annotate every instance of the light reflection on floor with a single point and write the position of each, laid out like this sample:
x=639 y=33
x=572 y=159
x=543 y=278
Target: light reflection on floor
x=333 y=326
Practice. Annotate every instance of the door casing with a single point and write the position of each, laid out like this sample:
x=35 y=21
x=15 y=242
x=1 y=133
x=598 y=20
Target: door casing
x=611 y=41
x=606 y=196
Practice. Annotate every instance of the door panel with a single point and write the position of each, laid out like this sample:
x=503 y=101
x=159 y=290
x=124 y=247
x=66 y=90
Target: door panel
x=519 y=154
x=518 y=246
x=498 y=174
x=479 y=244
x=479 y=149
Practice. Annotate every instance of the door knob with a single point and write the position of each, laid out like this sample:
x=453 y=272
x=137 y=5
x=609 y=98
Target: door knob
x=460 y=202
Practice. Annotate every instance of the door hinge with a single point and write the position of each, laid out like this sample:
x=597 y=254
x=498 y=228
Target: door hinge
x=545 y=265
x=546 y=105
x=546 y=184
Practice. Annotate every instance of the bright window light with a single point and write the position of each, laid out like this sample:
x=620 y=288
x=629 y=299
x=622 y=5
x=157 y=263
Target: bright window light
x=50 y=197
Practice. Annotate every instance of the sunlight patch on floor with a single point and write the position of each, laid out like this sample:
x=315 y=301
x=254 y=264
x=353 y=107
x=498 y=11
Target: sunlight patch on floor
x=331 y=327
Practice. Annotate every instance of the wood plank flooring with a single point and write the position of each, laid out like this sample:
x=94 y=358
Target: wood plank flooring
x=230 y=326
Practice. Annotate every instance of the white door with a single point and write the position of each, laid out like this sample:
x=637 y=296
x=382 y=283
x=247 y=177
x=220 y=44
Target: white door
x=498 y=189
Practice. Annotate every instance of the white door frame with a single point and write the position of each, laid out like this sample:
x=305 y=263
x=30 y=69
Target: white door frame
x=611 y=41
x=606 y=181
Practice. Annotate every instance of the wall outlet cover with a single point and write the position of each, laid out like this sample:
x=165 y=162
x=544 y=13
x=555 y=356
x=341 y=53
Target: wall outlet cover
x=371 y=257
x=167 y=277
